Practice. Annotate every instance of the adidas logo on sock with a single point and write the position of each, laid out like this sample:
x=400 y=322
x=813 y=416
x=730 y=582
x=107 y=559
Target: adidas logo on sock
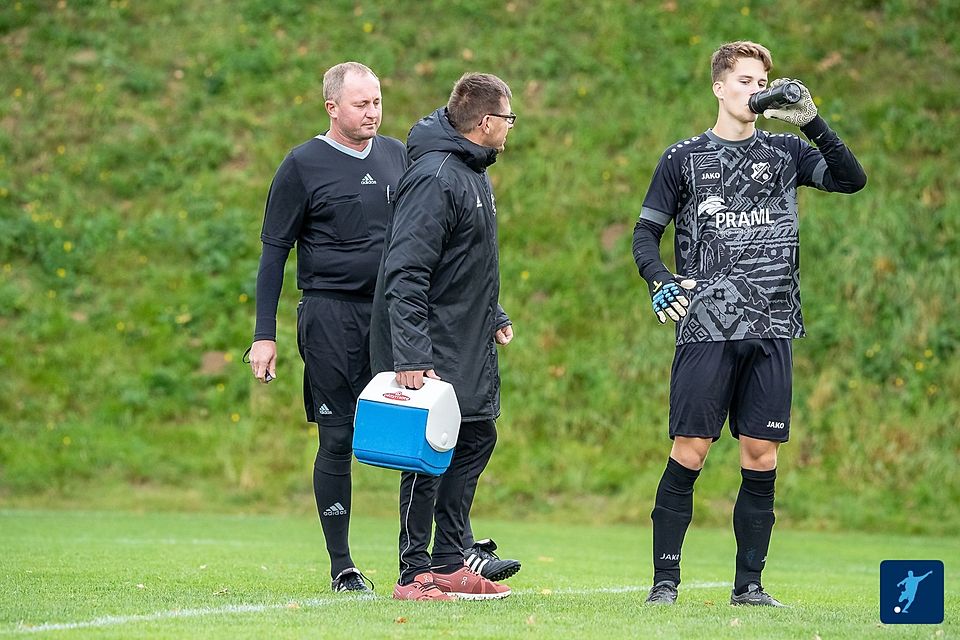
x=324 y=410
x=336 y=509
x=368 y=179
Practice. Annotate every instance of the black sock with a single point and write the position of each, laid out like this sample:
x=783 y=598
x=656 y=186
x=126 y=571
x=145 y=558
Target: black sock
x=671 y=516
x=752 y=525
x=332 y=492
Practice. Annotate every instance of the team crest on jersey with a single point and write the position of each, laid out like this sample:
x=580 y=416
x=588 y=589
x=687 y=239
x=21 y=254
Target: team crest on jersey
x=762 y=172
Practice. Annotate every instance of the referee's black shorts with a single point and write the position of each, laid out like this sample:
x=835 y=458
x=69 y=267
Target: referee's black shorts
x=752 y=380
x=334 y=339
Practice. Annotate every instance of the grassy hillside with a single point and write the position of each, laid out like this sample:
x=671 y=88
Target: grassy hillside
x=137 y=141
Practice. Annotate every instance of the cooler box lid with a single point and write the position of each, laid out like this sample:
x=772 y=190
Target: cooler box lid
x=436 y=396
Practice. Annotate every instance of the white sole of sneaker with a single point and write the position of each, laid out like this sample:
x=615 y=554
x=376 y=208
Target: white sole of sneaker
x=480 y=596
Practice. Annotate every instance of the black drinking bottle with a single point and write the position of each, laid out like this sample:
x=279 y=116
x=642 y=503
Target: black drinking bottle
x=779 y=96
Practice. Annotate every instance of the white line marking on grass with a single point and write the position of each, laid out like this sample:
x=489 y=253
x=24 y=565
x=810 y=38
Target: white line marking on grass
x=624 y=589
x=705 y=585
x=179 y=541
x=232 y=609
x=113 y=621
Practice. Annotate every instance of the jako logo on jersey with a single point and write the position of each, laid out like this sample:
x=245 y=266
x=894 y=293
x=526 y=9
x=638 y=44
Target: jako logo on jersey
x=368 y=179
x=710 y=175
x=396 y=395
x=776 y=425
x=761 y=172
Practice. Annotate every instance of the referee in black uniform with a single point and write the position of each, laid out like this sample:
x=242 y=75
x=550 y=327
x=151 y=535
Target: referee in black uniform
x=331 y=198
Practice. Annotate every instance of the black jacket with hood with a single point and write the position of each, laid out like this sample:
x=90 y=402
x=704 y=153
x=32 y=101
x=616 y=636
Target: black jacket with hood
x=437 y=295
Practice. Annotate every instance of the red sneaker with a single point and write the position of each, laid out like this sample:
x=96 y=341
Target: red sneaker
x=466 y=584
x=422 y=588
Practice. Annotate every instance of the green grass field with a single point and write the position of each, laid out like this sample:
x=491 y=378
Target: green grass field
x=73 y=574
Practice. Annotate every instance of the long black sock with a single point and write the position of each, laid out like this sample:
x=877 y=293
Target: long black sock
x=671 y=516
x=332 y=490
x=752 y=525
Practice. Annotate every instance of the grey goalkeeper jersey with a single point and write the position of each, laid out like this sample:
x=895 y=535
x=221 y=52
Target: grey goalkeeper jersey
x=734 y=206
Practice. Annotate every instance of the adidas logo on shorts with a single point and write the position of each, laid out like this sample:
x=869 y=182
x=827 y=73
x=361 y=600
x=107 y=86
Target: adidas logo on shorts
x=324 y=410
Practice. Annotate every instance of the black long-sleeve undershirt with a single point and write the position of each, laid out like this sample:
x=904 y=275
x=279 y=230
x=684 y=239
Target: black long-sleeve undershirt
x=646 y=251
x=269 y=284
x=844 y=173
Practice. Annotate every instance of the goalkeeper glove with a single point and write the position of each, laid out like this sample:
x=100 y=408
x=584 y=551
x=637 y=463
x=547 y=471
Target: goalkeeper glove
x=798 y=114
x=667 y=293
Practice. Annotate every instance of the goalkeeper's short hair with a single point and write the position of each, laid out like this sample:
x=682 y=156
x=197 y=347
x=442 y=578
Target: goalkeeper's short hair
x=725 y=58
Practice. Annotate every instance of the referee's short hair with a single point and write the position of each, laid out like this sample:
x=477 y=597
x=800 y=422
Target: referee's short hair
x=725 y=58
x=333 y=78
x=475 y=95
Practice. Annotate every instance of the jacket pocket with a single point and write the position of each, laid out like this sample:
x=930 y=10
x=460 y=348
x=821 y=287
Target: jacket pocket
x=349 y=220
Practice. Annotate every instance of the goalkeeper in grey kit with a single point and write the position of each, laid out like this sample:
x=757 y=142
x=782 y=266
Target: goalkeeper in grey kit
x=731 y=193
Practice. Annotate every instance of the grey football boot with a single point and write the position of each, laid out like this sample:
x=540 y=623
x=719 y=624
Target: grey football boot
x=664 y=592
x=754 y=596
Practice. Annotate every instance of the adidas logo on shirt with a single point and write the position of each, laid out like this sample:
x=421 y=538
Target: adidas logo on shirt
x=336 y=509
x=479 y=204
x=368 y=179
x=324 y=410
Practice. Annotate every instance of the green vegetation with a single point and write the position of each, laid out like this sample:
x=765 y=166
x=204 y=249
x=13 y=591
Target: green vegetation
x=111 y=575
x=138 y=139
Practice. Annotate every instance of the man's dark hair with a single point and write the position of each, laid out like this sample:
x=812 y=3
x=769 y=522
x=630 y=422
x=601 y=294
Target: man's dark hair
x=474 y=96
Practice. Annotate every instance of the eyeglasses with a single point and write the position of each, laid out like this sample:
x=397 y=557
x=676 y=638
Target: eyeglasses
x=509 y=117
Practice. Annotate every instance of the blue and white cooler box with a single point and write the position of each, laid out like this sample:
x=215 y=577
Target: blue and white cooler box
x=406 y=429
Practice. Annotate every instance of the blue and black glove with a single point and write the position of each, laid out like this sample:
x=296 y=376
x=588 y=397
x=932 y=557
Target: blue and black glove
x=668 y=293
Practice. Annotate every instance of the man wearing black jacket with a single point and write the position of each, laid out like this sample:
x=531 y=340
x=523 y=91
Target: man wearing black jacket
x=441 y=284
x=731 y=193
